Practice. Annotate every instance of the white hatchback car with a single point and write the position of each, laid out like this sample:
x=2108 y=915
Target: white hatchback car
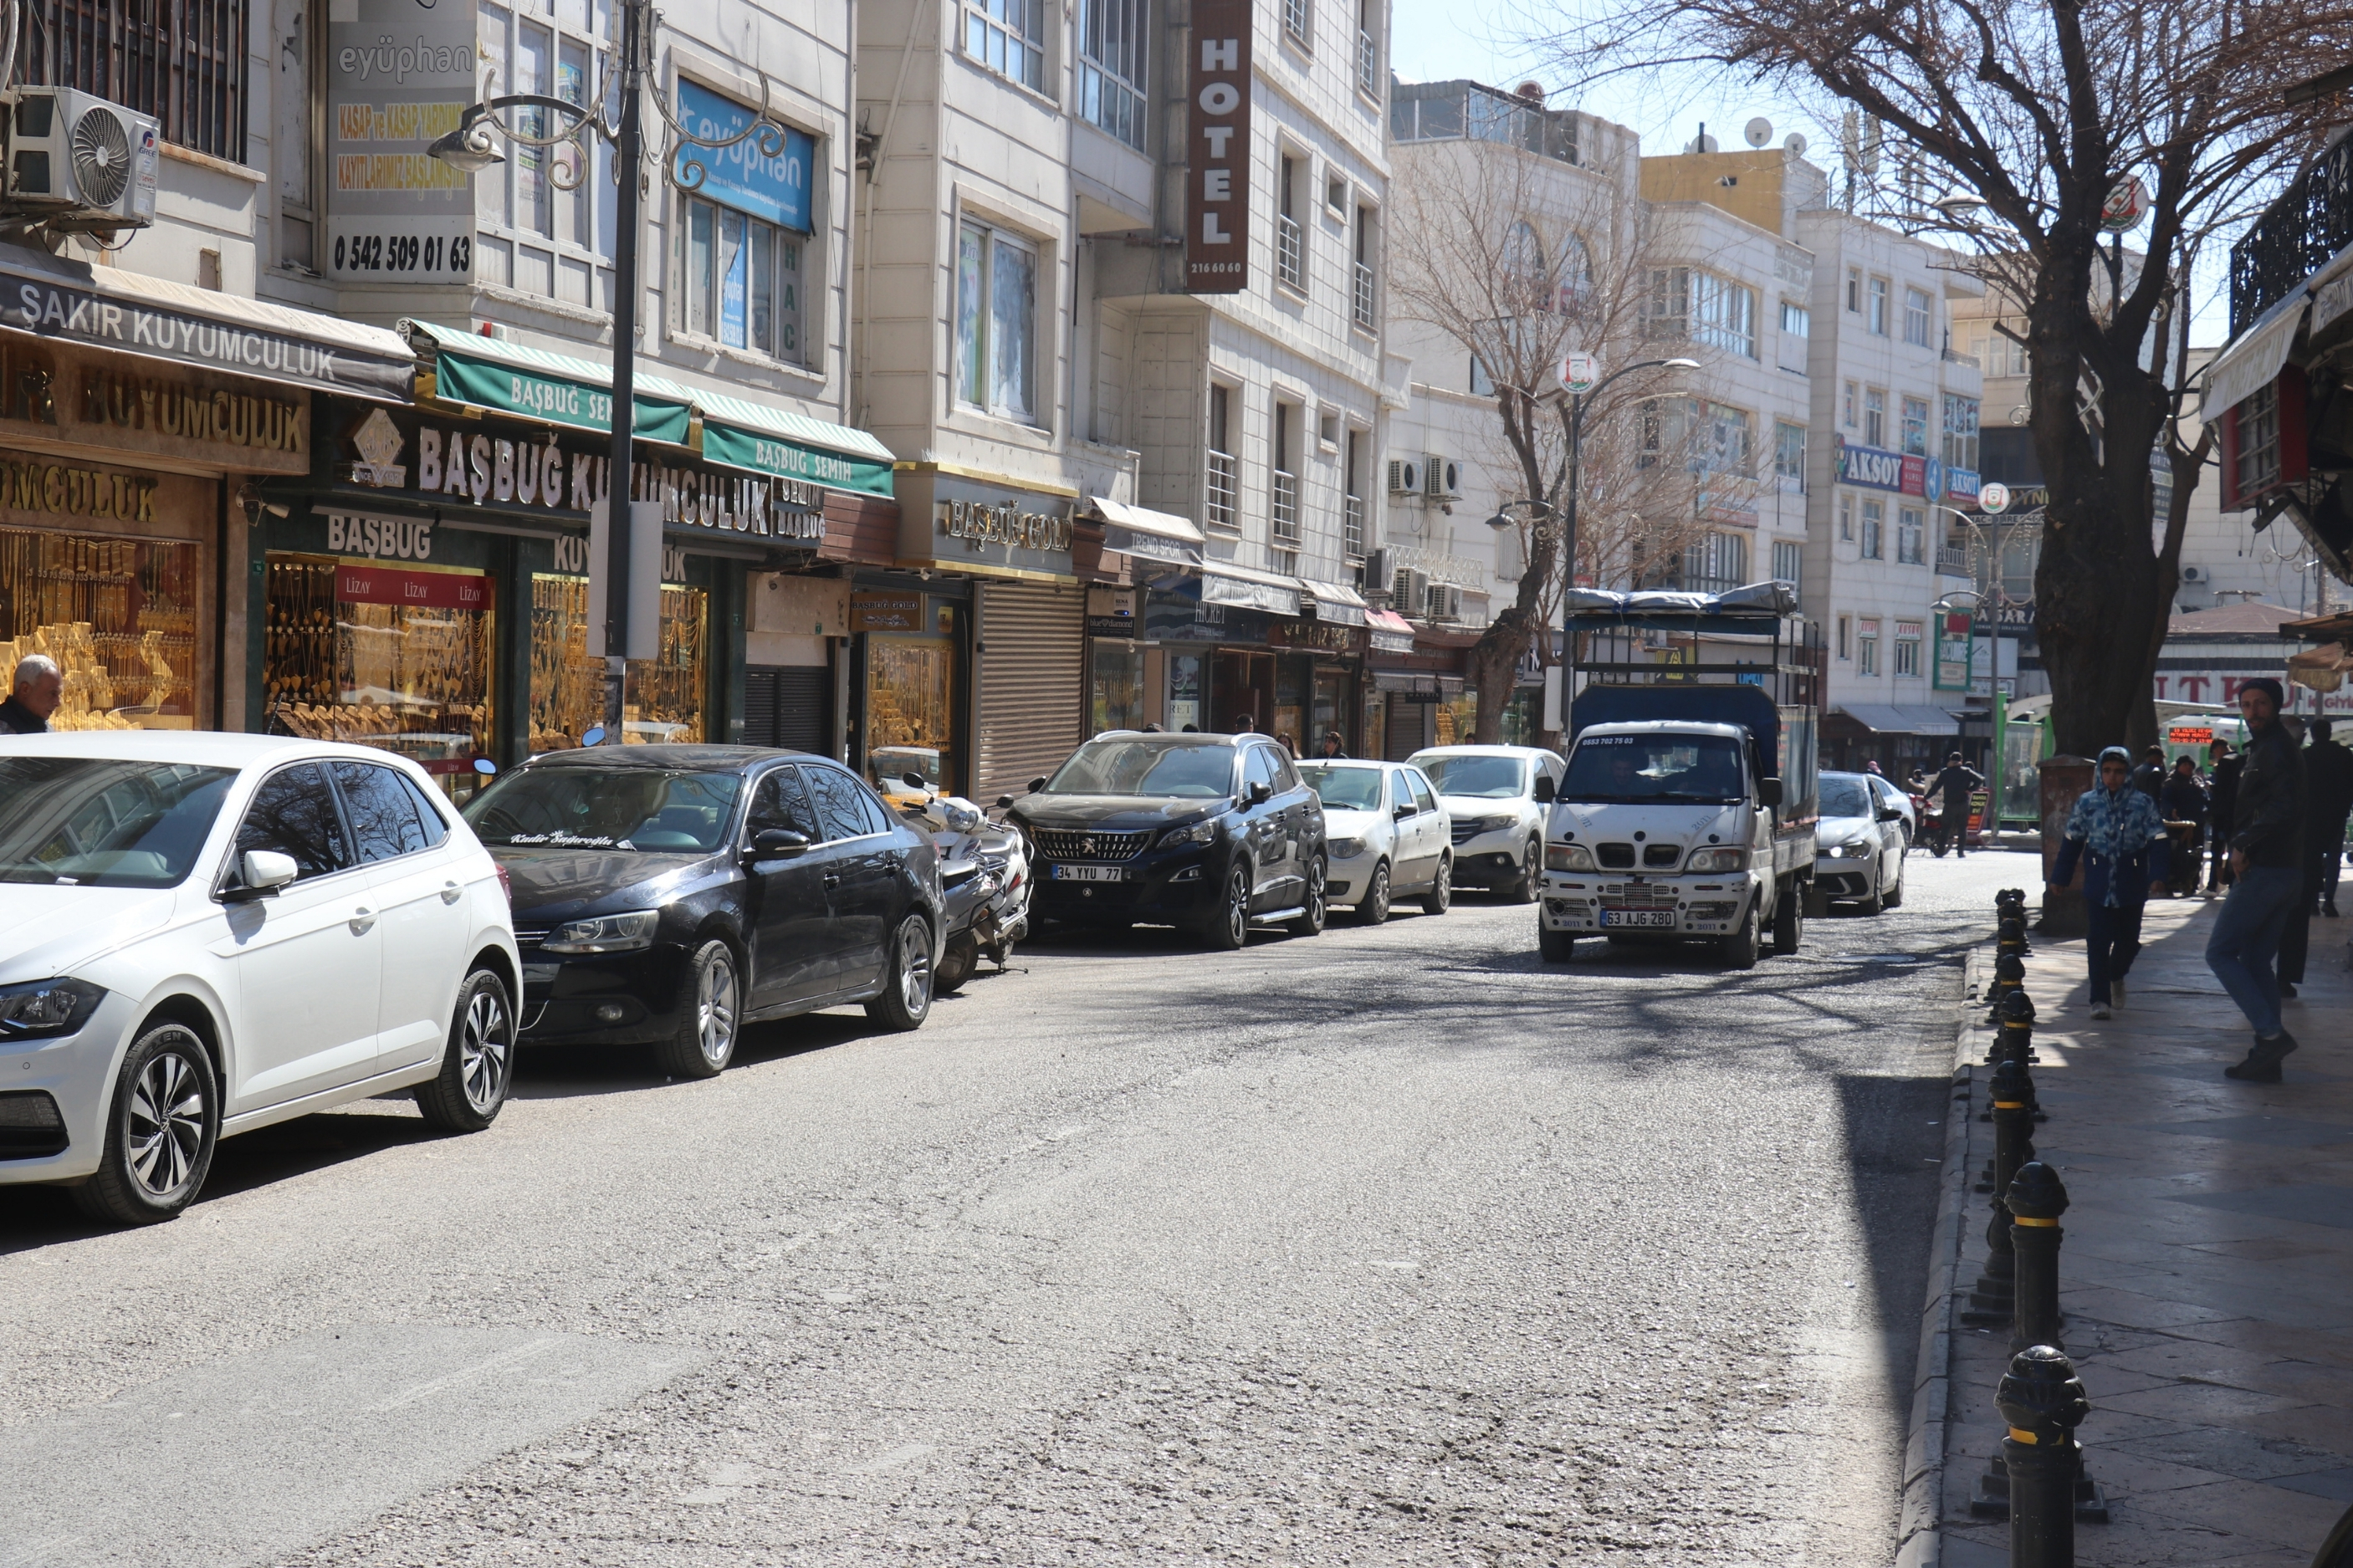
x=1385 y=834
x=201 y=934
x=1498 y=798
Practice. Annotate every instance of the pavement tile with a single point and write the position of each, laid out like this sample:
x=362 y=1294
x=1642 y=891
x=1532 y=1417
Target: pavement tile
x=2203 y=1402
x=2260 y=1511
x=2335 y=1485
x=2135 y=1310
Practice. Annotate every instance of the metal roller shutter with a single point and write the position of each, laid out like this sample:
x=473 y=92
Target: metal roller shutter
x=786 y=705
x=1032 y=683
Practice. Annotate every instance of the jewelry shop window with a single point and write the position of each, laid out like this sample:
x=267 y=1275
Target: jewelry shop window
x=662 y=698
x=119 y=617
x=740 y=258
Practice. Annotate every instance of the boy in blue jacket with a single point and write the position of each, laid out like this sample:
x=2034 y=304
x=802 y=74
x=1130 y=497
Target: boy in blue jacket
x=2118 y=833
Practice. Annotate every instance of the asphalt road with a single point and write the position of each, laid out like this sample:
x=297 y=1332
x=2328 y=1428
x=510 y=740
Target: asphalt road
x=1390 y=1246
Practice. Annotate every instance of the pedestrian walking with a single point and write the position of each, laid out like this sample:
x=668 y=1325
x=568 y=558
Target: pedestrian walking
x=2266 y=855
x=1953 y=787
x=2118 y=836
x=2184 y=802
x=2149 y=777
x=2221 y=796
x=2328 y=796
x=39 y=684
x=1332 y=745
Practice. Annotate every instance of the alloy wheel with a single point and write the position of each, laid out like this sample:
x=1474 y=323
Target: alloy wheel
x=1376 y=897
x=163 y=1125
x=485 y=1051
x=1238 y=907
x=915 y=965
x=715 y=1008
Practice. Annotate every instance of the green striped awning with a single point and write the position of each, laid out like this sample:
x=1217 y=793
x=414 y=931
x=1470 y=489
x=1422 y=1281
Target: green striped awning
x=533 y=383
x=764 y=439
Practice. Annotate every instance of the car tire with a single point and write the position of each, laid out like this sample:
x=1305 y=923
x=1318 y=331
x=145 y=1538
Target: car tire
x=1895 y=894
x=1555 y=946
x=1226 y=928
x=1441 y=896
x=1522 y=889
x=1373 y=909
x=909 y=980
x=1789 y=922
x=710 y=1005
x=1318 y=906
x=477 y=1066
x=957 y=961
x=162 y=1127
x=1740 y=947
x=1876 y=902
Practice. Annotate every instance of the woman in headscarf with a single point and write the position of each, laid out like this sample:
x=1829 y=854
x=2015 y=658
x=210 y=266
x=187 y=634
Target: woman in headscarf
x=2118 y=833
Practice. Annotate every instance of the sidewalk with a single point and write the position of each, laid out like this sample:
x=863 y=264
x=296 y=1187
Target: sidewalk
x=2207 y=1272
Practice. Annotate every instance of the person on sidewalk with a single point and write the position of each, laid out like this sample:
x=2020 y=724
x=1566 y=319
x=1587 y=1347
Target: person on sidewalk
x=2266 y=851
x=2221 y=796
x=2149 y=777
x=1950 y=789
x=2328 y=800
x=2119 y=835
x=2185 y=801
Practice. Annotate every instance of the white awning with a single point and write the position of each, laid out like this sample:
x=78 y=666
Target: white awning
x=1140 y=530
x=1336 y=602
x=1899 y=718
x=1222 y=582
x=2253 y=361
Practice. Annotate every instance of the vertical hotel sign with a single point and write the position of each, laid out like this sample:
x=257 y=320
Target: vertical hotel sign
x=1218 y=157
x=399 y=75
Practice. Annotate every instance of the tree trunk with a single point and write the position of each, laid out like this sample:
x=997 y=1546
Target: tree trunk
x=1495 y=668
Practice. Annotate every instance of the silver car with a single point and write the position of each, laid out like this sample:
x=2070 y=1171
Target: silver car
x=1860 y=845
x=1386 y=834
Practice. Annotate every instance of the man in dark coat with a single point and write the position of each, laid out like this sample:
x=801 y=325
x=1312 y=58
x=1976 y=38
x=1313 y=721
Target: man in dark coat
x=1952 y=788
x=39 y=684
x=2266 y=850
x=2185 y=801
x=2221 y=796
x=2328 y=800
x=2149 y=777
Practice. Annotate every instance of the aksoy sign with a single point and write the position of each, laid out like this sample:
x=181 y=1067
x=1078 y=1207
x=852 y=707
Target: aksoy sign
x=1218 y=151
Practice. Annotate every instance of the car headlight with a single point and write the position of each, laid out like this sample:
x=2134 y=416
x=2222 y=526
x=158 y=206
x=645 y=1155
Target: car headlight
x=1345 y=848
x=1567 y=857
x=40 y=1008
x=605 y=934
x=1493 y=824
x=1198 y=833
x=1721 y=859
x=1854 y=851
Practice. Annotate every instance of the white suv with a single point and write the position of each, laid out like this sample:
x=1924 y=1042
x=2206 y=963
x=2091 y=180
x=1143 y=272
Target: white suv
x=1498 y=798
x=201 y=934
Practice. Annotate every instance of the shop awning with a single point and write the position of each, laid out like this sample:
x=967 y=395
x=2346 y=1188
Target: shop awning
x=1392 y=633
x=2253 y=361
x=1223 y=583
x=1140 y=530
x=1336 y=602
x=764 y=438
x=110 y=308
x=1899 y=718
x=556 y=389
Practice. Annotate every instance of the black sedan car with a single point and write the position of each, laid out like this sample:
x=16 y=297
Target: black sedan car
x=667 y=895
x=1208 y=833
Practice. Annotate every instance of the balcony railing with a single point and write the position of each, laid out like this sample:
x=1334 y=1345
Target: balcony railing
x=2312 y=221
x=1952 y=562
x=1220 y=510
x=1289 y=253
x=1286 y=507
x=1363 y=301
x=1352 y=524
x=1368 y=65
x=1955 y=356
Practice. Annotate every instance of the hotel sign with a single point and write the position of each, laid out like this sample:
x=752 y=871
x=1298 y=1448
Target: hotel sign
x=1217 y=154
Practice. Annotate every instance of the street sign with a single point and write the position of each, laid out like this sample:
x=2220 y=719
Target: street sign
x=1993 y=499
x=1580 y=372
x=2127 y=204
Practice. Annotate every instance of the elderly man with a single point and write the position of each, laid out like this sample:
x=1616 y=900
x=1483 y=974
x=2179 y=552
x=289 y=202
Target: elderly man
x=39 y=684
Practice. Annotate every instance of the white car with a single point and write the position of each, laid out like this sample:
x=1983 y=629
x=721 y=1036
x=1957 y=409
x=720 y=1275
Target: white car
x=1860 y=845
x=1498 y=798
x=1385 y=834
x=206 y=933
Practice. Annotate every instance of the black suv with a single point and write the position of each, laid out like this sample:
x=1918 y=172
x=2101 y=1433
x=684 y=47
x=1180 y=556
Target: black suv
x=1208 y=833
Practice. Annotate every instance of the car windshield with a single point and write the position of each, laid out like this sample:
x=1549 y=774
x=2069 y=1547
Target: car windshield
x=1621 y=768
x=1350 y=789
x=1846 y=797
x=1191 y=770
x=91 y=822
x=1486 y=778
x=652 y=809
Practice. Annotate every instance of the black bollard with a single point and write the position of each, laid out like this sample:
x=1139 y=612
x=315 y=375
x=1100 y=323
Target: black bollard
x=2037 y=1198
x=2013 y=1124
x=2009 y=978
x=2044 y=1403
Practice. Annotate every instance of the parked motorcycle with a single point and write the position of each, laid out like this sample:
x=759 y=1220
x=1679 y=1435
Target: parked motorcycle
x=984 y=881
x=1940 y=835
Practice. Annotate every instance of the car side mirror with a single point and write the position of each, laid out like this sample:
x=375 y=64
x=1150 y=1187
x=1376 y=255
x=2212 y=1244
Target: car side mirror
x=1003 y=801
x=1543 y=789
x=261 y=872
x=777 y=844
x=914 y=781
x=1889 y=813
x=1401 y=812
x=1261 y=792
x=1768 y=791
x=1037 y=783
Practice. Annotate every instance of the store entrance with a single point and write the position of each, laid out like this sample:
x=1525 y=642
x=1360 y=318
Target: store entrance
x=1242 y=686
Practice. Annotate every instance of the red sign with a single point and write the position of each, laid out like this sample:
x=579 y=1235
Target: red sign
x=424 y=590
x=1217 y=155
x=1916 y=476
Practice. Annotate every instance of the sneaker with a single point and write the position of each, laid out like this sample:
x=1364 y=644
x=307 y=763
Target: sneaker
x=2116 y=990
x=2100 y=1010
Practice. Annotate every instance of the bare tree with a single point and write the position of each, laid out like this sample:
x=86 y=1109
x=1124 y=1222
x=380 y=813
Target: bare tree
x=2038 y=109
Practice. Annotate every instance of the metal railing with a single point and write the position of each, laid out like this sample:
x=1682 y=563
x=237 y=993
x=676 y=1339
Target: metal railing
x=1363 y=300
x=1368 y=65
x=1286 y=506
x=1352 y=527
x=1289 y=253
x=1955 y=356
x=2312 y=221
x=1953 y=561
x=1220 y=510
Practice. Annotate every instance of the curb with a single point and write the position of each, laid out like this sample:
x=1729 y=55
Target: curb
x=1921 y=1526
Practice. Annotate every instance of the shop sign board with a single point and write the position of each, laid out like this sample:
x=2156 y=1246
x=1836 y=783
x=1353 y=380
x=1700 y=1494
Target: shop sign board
x=1217 y=155
x=556 y=399
x=399 y=75
x=812 y=466
x=57 y=393
x=1956 y=631
x=873 y=610
x=1173 y=618
x=743 y=174
x=1319 y=637
x=1869 y=467
x=420 y=590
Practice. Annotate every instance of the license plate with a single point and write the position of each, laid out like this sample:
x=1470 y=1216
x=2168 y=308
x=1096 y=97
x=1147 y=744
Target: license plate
x=1090 y=873
x=1637 y=917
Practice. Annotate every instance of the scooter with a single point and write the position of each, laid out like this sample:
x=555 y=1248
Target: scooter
x=984 y=883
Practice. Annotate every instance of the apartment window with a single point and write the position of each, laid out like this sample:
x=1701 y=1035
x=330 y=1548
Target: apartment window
x=1352 y=539
x=1220 y=510
x=1666 y=312
x=537 y=238
x=1723 y=314
x=1715 y=562
x=184 y=63
x=997 y=322
x=2259 y=440
x=1789 y=559
x=1298 y=22
x=1907 y=536
x=1795 y=319
x=1362 y=299
x=1907 y=647
x=1866 y=646
x=1789 y=456
x=1846 y=518
x=1919 y=318
x=1874 y=530
x=740 y=281
x=1854 y=290
x=1878 y=312
x=1850 y=401
x=1009 y=37
x=1290 y=239
x=1111 y=35
x=1285 y=488
x=1875 y=417
x=1915 y=426
x=1368 y=48
x=1846 y=636
x=1728 y=440
x=1961 y=449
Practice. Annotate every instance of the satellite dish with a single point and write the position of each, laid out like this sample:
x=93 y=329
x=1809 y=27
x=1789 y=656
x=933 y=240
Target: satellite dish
x=1758 y=131
x=1796 y=145
x=1703 y=143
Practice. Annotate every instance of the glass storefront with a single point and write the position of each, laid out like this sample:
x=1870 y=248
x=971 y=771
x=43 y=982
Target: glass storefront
x=1115 y=688
x=1184 y=691
x=400 y=658
x=910 y=708
x=662 y=698
x=1458 y=718
x=119 y=617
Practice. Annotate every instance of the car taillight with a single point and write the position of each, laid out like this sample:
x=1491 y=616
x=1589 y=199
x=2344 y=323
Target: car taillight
x=506 y=884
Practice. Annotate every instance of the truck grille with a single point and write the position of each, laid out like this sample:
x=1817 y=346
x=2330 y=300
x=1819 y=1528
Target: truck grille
x=1063 y=844
x=1465 y=830
x=1661 y=857
x=1635 y=896
x=1615 y=857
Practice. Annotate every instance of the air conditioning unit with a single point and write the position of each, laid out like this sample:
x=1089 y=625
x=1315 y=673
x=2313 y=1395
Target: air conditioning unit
x=1444 y=602
x=80 y=163
x=1441 y=479
x=2193 y=573
x=1409 y=593
x=1404 y=476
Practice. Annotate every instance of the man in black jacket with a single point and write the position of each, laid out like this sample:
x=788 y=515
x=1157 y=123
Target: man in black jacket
x=1951 y=789
x=2149 y=777
x=38 y=685
x=2184 y=800
x=2328 y=800
x=2266 y=854
x=2221 y=799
